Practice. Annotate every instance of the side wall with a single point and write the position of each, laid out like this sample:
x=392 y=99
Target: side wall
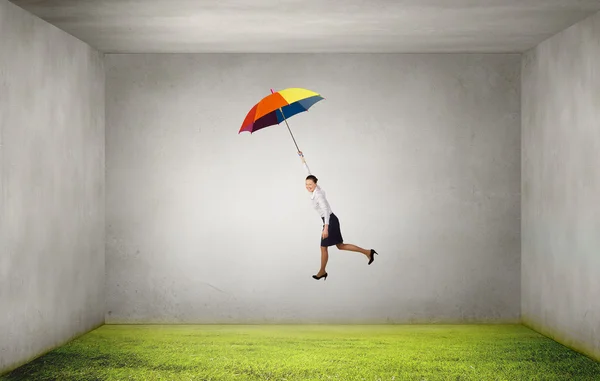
x=51 y=187
x=561 y=187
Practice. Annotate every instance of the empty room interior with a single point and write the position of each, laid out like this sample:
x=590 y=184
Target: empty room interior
x=167 y=166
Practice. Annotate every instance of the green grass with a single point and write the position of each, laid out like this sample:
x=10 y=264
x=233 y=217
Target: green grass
x=310 y=352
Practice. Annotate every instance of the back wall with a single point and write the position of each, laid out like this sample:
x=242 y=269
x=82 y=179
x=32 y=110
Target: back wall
x=419 y=156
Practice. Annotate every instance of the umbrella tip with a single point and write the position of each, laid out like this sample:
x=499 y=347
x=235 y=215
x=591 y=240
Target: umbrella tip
x=272 y=91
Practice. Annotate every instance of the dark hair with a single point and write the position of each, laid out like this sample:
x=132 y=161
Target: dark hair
x=313 y=178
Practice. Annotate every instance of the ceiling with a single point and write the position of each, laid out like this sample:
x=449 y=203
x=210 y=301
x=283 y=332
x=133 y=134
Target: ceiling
x=299 y=26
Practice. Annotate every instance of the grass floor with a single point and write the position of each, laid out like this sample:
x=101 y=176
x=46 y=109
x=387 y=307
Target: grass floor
x=311 y=352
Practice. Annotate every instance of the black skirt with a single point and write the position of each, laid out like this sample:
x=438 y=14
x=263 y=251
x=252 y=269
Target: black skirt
x=335 y=234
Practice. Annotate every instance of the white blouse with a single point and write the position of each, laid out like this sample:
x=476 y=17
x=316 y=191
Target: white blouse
x=319 y=201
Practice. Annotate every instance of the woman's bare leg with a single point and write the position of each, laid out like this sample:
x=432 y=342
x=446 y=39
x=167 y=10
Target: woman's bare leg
x=351 y=247
x=324 y=259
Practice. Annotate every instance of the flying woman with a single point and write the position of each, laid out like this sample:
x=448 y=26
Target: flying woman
x=331 y=233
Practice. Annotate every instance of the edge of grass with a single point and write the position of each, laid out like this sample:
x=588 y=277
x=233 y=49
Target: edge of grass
x=561 y=338
x=49 y=348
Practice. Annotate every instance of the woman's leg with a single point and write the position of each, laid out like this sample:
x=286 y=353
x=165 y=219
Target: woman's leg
x=324 y=259
x=351 y=247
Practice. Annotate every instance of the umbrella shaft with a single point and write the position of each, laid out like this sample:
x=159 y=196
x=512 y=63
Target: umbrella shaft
x=288 y=127
x=286 y=123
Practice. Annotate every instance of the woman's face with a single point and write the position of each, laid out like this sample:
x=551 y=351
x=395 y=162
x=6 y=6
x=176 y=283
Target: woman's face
x=310 y=185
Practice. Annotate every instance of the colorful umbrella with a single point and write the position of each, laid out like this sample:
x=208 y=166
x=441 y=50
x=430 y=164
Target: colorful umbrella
x=279 y=107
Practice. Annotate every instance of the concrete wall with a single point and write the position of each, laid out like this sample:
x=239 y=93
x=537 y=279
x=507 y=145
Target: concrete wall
x=52 y=187
x=561 y=187
x=419 y=156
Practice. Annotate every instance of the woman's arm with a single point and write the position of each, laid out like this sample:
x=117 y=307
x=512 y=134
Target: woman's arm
x=304 y=162
x=323 y=205
x=326 y=210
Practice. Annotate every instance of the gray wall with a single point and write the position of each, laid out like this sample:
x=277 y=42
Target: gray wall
x=561 y=187
x=419 y=156
x=52 y=187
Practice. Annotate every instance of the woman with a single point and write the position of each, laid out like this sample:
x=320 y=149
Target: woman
x=331 y=234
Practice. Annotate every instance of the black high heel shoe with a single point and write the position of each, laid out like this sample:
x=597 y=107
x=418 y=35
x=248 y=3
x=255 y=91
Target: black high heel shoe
x=319 y=277
x=373 y=252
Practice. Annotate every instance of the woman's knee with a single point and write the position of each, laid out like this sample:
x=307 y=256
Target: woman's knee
x=339 y=246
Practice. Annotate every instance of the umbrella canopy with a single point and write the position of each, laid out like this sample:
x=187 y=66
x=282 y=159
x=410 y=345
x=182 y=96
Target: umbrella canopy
x=278 y=107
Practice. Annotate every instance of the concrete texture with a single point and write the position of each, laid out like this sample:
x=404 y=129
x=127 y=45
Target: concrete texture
x=561 y=187
x=419 y=156
x=292 y=26
x=52 y=187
